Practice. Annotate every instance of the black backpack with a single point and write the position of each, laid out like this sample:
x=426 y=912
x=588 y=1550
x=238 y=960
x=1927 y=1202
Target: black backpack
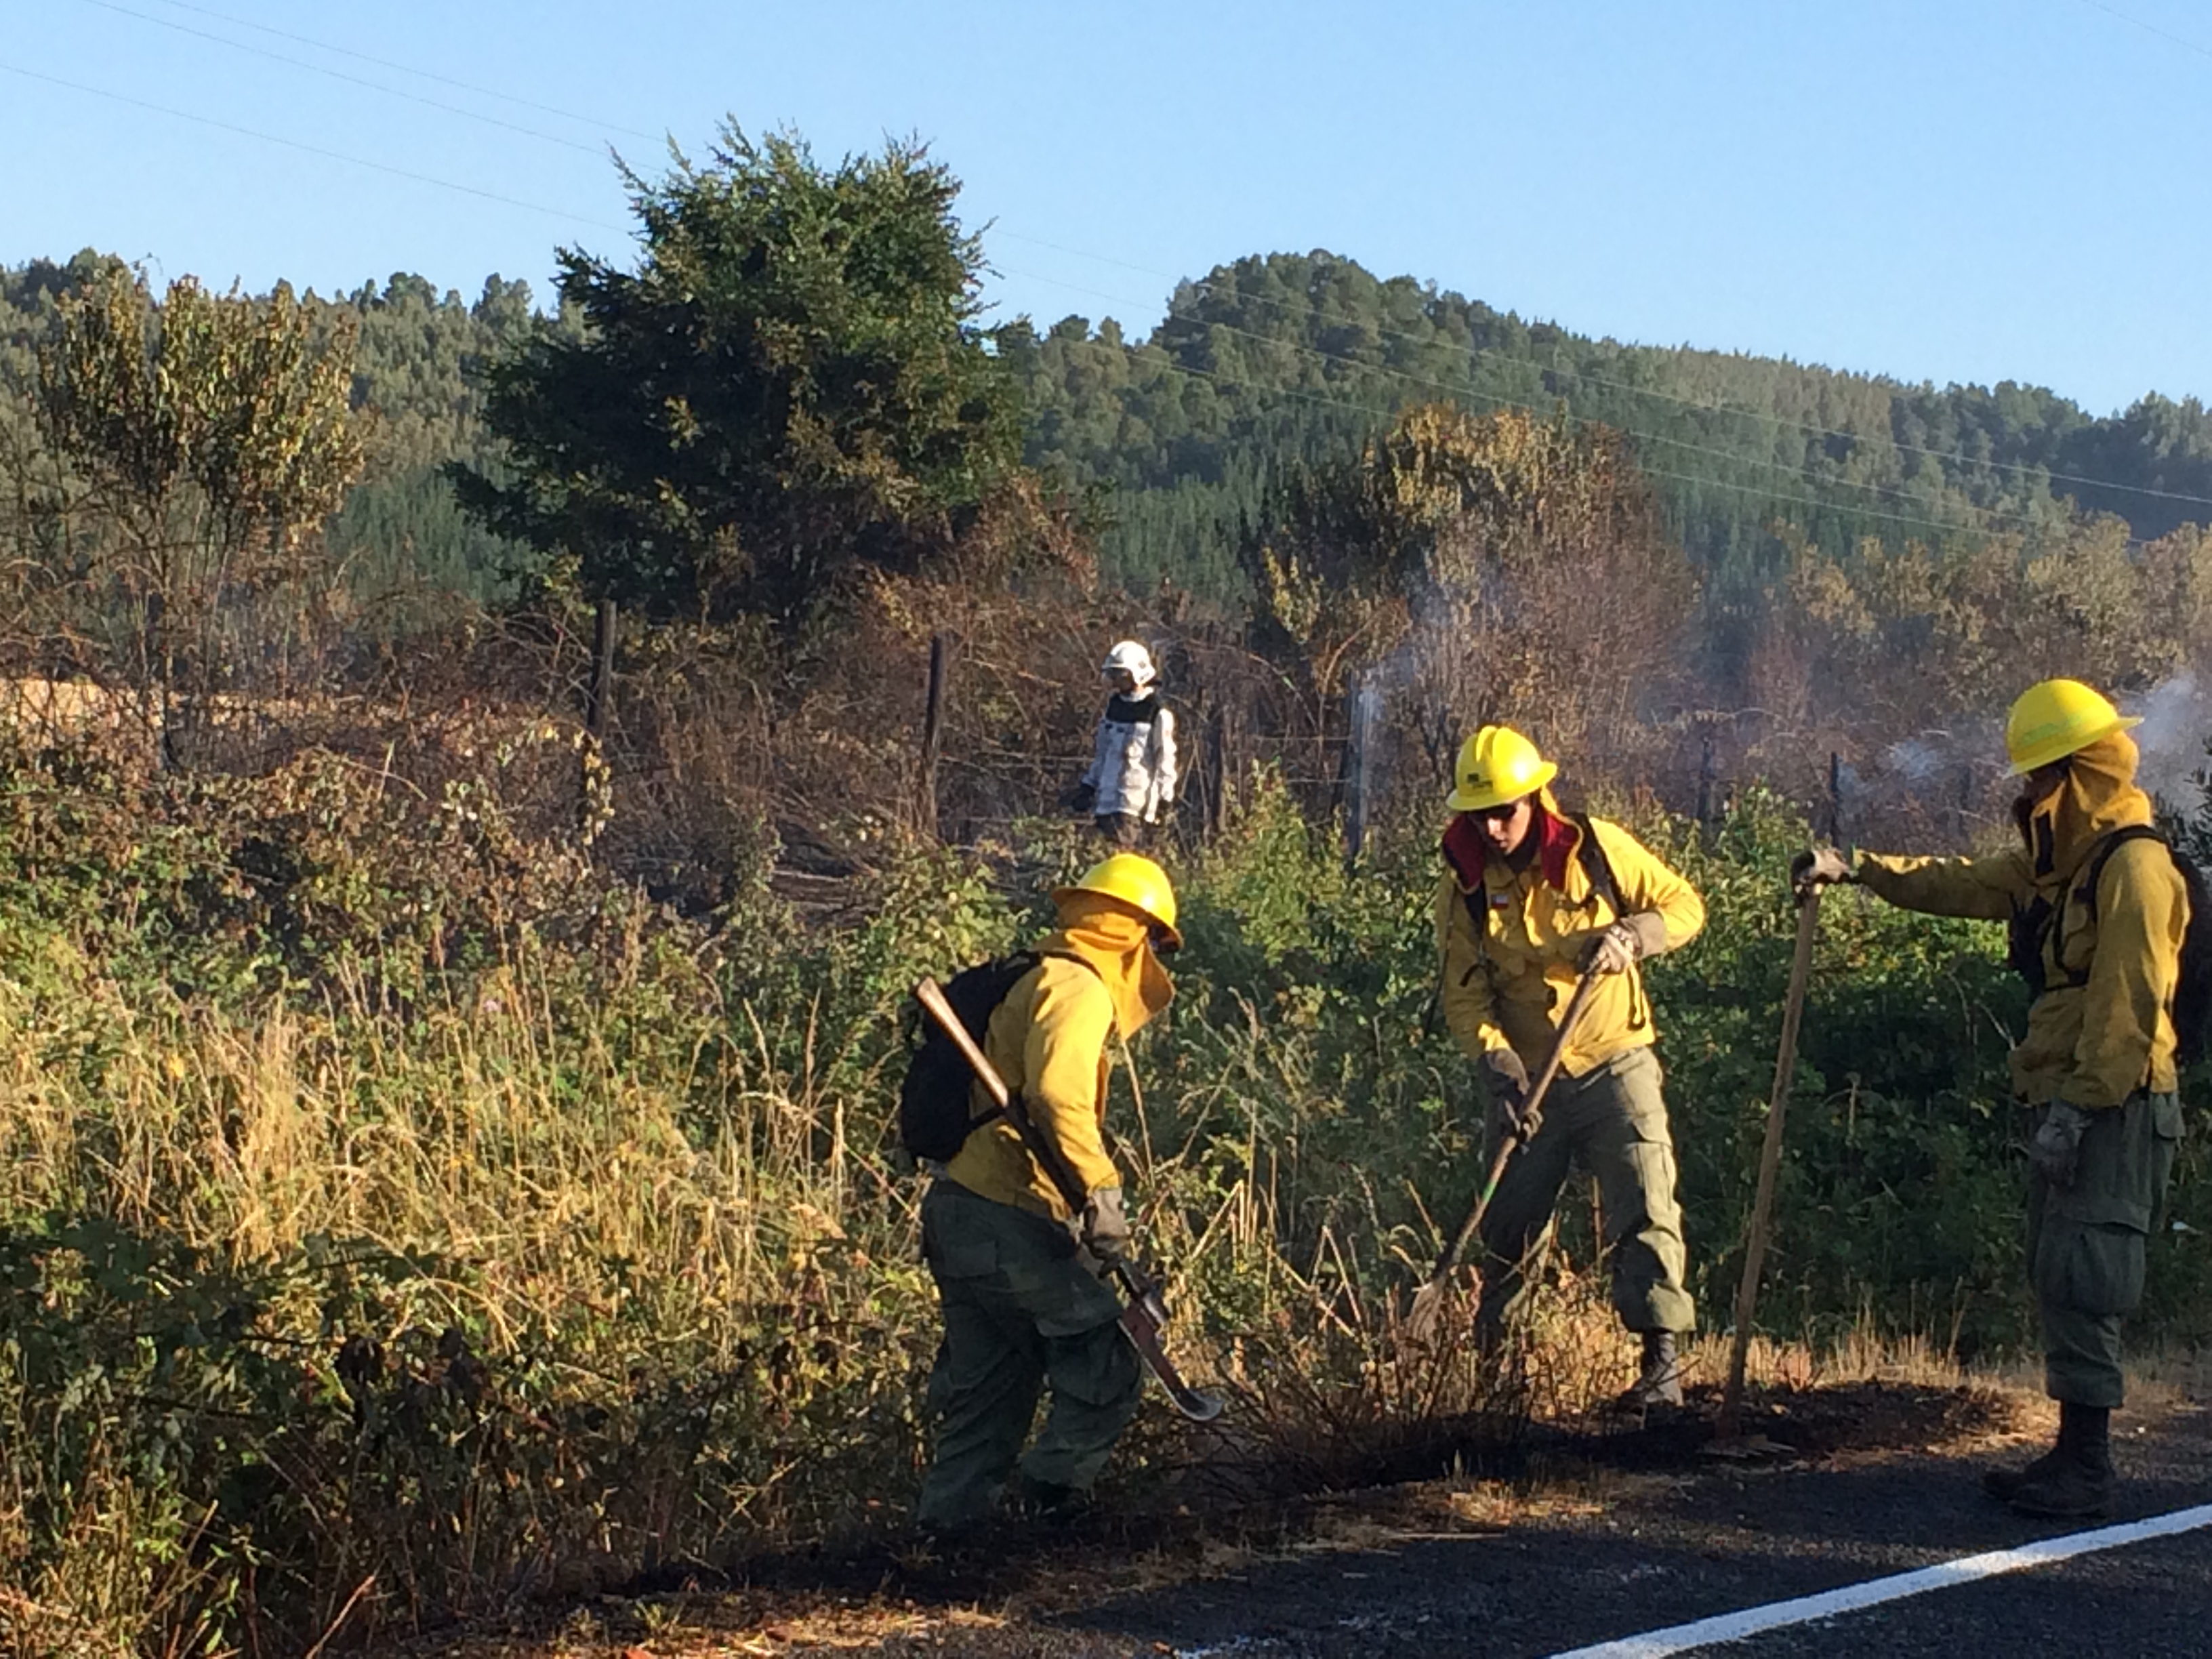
x=2192 y=992
x=934 y=1096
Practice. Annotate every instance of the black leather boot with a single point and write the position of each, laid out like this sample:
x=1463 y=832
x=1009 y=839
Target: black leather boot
x=2076 y=1480
x=1659 y=1382
x=2003 y=1483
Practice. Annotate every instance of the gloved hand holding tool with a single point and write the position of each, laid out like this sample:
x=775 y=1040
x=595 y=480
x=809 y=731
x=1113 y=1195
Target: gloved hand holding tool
x=1520 y=1126
x=1621 y=945
x=1823 y=866
x=1509 y=1087
x=1102 y=1227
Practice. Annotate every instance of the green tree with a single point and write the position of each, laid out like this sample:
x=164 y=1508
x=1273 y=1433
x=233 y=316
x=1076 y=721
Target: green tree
x=207 y=432
x=790 y=383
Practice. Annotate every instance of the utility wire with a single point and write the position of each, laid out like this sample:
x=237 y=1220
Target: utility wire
x=1442 y=340
x=405 y=69
x=340 y=74
x=1381 y=413
x=1503 y=402
x=311 y=149
x=2149 y=28
x=1586 y=376
x=1432 y=341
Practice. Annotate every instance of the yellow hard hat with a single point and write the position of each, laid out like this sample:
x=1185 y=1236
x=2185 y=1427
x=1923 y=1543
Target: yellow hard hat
x=1137 y=882
x=2054 y=719
x=1497 y=766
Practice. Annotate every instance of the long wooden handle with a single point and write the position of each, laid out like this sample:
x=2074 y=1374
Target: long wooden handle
x=1146 y=1311
x=1455 y=1246
x=1057 y=1168
x=1585 y=988
x=1770 y=1163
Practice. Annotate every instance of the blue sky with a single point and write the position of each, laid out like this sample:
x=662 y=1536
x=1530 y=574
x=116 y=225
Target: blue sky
x=1954 y=190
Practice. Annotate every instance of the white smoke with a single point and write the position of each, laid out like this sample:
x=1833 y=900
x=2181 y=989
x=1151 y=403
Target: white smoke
x=1962 y=770
x=2177 y=722
x=1916 y=760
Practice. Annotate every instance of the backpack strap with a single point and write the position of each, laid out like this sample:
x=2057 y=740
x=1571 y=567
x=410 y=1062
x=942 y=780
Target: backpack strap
x=1595 y=864
x=2085 y=894
x=1019 y=964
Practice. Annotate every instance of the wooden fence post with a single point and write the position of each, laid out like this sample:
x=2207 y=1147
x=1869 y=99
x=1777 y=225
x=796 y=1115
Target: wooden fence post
x=1217 y=772
x=1359 y=755
x=933 y=734
x=598 y=697
x=595 y=795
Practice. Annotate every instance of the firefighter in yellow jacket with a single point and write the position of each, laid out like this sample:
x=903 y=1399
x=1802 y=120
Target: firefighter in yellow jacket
x=1023 y=1308
x=2098 y=911
x=1532 y=899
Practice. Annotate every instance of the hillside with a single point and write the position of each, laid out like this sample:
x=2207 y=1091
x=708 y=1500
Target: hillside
x=1275 y=360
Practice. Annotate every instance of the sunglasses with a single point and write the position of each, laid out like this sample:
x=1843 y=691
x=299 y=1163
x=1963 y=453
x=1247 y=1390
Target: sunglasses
x=1163 y=943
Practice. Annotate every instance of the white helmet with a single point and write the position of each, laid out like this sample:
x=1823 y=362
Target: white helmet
x=1131 y=658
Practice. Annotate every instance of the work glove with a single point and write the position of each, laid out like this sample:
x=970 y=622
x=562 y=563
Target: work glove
x=1082 y=798
x=1616 y=948
x=1105 y=1228
x=1508 y=1081
x=2056 y=1146
x=1823 y=866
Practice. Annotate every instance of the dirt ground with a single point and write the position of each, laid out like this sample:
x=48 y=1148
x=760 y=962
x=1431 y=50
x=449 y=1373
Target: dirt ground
x=1592 y=1535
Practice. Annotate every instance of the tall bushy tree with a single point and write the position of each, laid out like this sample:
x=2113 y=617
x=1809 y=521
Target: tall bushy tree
x=791 y=383
x=206 y=433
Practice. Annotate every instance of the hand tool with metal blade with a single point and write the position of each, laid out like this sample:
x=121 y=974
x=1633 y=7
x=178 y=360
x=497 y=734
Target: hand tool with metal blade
x=1146 y=1312
x=1429 y=1300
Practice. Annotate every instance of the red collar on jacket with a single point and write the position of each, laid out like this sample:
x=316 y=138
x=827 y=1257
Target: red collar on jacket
x=1466 y=852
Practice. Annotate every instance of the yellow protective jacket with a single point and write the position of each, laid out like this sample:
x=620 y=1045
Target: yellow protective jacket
x=1049 y=1041
x=1507 y=978
x=2103 y=1026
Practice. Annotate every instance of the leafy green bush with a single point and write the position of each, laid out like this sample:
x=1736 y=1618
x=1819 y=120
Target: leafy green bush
x=630 y=1275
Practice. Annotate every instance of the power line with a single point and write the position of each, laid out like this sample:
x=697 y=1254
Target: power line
x=340 y=74
x=2149 y=28
x=1585 y=376
x=311 y=149
x=405 y=69
x=1679 y=399
x=1453 y=389
x=1649 y=471
x=1502 y=402
x=1219 y=378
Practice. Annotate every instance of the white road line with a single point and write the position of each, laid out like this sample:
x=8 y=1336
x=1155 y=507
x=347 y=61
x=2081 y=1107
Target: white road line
x=1735 y=1627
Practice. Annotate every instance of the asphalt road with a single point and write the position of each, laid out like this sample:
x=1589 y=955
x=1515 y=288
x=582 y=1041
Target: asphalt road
x=1716 y=1541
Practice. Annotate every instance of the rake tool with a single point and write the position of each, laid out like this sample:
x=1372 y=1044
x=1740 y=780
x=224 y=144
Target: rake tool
x=1429 y=1301
x=1728 y=1424
x=1146 y=1311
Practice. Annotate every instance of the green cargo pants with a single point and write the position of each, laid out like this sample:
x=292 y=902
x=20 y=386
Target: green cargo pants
x=2085 y=1243
x=1612 y=1121
x=1020 y=1308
